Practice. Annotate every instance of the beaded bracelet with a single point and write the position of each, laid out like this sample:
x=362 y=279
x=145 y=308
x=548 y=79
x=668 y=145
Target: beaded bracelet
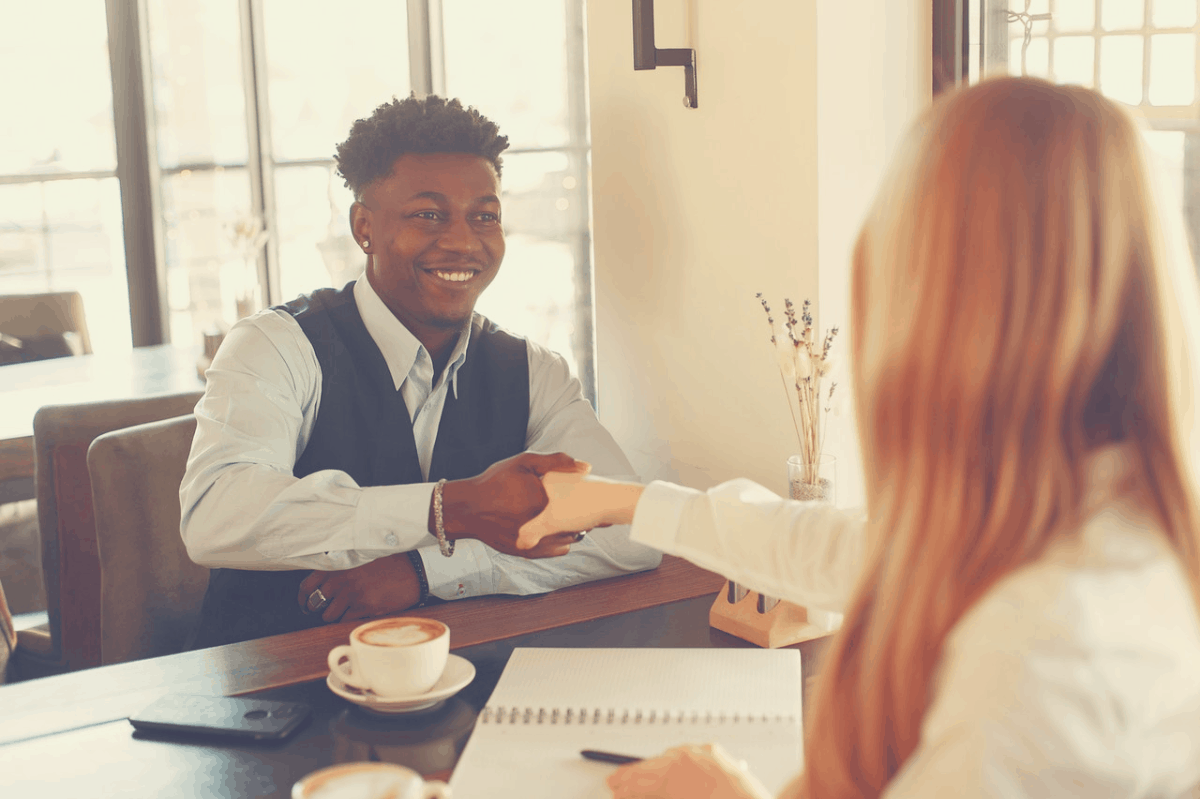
x=422 y=580
x=439 y=528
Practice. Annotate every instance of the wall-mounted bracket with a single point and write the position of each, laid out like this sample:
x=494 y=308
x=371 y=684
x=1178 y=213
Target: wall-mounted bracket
x=647 y=56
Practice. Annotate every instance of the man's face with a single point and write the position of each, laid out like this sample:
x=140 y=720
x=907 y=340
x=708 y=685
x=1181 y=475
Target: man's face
x=435 y=238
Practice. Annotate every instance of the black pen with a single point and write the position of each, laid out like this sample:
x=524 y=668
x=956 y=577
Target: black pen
x=609 y=757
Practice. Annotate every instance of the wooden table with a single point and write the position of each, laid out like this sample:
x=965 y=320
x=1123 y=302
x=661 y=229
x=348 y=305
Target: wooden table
x=25 y=387
x=69 y=733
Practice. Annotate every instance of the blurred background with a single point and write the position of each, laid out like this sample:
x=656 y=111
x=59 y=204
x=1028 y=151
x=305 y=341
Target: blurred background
x=179 y=152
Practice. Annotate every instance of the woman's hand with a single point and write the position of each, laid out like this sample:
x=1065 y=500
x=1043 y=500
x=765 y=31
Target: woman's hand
x=577 y=502
x=686 y=772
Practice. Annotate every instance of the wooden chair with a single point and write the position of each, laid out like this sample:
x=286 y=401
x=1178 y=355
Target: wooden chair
x=33 y=317
x=150 y=590
x=70 y=565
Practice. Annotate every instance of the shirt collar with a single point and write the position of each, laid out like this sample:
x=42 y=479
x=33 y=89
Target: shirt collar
x=397 y=344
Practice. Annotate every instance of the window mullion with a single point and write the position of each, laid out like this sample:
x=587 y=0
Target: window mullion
x=437 y=48
x=137 y=170
x=426 y=51
x=258 y=136
x=584 y=339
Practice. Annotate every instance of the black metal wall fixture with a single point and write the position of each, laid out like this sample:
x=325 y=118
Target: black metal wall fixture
x=647 y=56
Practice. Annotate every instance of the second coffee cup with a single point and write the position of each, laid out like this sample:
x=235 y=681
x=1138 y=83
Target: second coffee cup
x=402 y=656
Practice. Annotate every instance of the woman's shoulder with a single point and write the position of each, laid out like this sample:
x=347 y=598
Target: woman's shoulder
x=1115 y=585
x=1095 y=647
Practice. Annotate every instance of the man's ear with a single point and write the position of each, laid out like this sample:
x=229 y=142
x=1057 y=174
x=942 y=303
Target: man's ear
x=360 y=225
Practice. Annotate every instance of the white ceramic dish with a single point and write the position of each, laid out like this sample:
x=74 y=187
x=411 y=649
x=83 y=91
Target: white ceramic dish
x=458 y=675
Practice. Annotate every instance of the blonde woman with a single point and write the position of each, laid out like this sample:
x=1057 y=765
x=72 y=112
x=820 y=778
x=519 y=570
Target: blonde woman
x=1021 y=599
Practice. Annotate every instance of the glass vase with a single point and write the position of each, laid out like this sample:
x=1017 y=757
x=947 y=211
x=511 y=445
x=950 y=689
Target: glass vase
x=813 y=482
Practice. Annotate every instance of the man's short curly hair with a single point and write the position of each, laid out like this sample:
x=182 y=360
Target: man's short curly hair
x=429 y=124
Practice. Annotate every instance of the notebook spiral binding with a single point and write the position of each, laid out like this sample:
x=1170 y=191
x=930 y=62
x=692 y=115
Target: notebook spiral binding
x=530 y=715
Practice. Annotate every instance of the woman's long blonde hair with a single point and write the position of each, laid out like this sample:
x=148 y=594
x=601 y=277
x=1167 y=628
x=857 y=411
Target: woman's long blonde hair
x=1012 y=310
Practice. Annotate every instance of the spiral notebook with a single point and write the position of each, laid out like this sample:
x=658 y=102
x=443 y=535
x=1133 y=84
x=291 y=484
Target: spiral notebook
x=552 y=703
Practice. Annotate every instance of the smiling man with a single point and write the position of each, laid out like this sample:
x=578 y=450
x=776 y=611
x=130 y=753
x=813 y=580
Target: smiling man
x=360 y=450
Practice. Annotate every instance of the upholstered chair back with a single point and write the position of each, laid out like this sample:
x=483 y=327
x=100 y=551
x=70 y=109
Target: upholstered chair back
x=8 y=636
x=150 y=591
x=66 y=524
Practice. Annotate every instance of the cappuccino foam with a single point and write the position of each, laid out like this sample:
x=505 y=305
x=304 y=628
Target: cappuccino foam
x=406 y=633
x=365 y=781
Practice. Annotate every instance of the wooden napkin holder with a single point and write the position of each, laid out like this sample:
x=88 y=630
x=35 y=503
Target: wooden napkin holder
x=782 y=625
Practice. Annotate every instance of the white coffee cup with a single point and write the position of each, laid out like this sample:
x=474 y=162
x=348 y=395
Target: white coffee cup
x=397 y=657
x=368 y=781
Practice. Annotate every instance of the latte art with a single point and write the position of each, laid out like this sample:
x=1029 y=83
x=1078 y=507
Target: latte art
x=408 y=632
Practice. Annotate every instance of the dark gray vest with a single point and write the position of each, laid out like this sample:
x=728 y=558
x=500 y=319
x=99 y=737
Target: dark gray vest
x=363 y=429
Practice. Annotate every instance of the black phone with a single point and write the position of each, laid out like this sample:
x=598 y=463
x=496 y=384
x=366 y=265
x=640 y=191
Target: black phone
x=256 y=719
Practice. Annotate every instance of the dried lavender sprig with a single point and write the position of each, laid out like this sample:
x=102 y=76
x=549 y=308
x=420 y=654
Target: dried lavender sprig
x=828 y=342
x=790 y=323
x=770 y=319
x=806 y=318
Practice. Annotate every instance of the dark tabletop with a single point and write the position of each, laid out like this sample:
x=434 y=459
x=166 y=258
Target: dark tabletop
x=111 y=759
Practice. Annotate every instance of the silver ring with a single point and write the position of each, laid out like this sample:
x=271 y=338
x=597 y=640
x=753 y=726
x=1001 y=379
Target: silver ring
x=317 y=601
x=579 y=537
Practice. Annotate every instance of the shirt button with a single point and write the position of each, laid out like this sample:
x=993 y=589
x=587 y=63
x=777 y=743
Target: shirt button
x=391 y=539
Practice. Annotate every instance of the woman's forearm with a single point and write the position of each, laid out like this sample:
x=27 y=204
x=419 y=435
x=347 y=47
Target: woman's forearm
x=615 y=500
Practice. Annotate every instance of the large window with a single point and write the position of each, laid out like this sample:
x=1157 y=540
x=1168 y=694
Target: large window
x=60 y=208
x=1142 y=53
x=246 y=101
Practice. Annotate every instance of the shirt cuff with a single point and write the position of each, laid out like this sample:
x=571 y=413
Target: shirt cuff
x=394 y=518
x=468 y=572
x=657 y=517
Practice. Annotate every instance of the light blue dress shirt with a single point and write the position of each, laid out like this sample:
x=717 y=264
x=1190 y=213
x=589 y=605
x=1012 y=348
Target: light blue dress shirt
x=243 y=508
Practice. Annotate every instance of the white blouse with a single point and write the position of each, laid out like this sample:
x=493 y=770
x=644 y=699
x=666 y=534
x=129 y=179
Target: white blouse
x=1076 y=675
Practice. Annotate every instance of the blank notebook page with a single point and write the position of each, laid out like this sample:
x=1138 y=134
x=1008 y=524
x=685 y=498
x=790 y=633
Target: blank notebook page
x=551 y=703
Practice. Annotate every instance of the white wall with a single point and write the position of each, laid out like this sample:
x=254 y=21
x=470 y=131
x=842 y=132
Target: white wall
x=755 y=190
x=872 y=81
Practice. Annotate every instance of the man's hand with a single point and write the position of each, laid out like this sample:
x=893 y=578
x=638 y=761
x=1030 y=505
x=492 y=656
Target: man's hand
x=493 y=506
x=385 y=585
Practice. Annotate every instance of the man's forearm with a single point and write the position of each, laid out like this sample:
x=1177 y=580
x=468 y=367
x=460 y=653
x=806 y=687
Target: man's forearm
x=254 y=517
x=477 y=570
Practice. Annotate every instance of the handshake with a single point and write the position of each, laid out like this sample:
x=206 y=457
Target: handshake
x=577 y=502
x=535 y=506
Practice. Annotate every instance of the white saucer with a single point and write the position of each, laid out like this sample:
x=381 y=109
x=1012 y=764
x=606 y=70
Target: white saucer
x=458 y=675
